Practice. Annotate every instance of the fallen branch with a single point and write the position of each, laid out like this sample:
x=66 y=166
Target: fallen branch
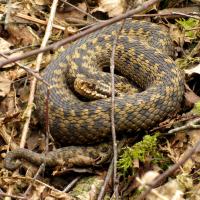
x=81 y=34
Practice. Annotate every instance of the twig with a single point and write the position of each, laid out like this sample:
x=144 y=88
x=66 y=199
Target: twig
x=112 y=68
x=30 y=71
x=143 y=184
x=80 y=10
x=173 y=168
x=186 y=15
x=165 y=15
x=191 y=124
x=7 y=138
x=39 y=21
x=8 y=11
x=108 y=177
x=37 y=181
x=193 y=29
x=81 y=34
x=33 y=82
x=11 y=51
x=2 y=194
x=41 y=169
x=71 y=184
x=46 y=111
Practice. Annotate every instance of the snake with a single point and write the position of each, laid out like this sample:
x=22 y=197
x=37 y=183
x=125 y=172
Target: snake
x=143 y=56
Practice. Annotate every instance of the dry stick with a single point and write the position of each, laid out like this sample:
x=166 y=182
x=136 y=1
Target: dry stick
x=2 y=194
x=8 y=11
x=112 y=68
x=186 y=15
x=137 y=16
x=33 y=82
x=191 y=124
x=28 y=70
x=56 y=45
x=7 y=138
x=165 y=15
x=10 y=51
x=41 y=169
x=47 y=120
x=173 y=168
x=80 y=10
x=108 y=176
x=71 y=184
x=38 y=182
x=39 y=21
x=153 y=191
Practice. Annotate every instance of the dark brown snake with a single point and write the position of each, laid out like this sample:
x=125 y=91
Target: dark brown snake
x=140 y=56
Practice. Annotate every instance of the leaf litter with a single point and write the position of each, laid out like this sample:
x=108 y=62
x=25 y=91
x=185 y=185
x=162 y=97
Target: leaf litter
x=25 y=31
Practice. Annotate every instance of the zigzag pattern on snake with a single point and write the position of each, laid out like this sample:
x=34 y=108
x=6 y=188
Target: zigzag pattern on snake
x=141 y=56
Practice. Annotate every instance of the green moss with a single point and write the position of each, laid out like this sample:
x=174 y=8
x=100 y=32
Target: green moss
x=188 y=25
x=145 y=150
x=196 y=109
x=183 y=63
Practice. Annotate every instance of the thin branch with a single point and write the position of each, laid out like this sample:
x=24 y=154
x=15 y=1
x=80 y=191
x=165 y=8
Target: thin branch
x=80 y=10
x=153 y=191
x=28 y=70
x=172 y=169
x=164 y=15
x=186 y=15
x=39 y=171
x=81 y=34
x=33 y=82
x=71 y=184
x=190 y=125
x=46 y=111
x=112 y=68
x=38 y=21
x=8 y=11
x=37 y=182
x=107 y=179
x=2 y=194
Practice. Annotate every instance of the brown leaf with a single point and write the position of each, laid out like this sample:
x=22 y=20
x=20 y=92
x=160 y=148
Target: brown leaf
x=112 y=7
x=190 y=97
x=4 y=86
x=193 y=70
x=176 y=35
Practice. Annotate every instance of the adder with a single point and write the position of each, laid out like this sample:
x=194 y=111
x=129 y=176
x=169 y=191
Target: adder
x=80 y=102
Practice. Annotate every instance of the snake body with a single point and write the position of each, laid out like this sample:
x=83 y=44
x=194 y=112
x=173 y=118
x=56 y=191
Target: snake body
x=141 y=55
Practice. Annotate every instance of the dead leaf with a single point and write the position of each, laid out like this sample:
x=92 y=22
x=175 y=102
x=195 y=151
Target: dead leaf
x=170 y=190
x=112 y=7
x=42 y=2
x=176 y=35
x=190 y=98
x=193 y=70
x=4 y=87
x=5 y=46
x=196 y=1
x=26 y=37
x=37 y=193
x=194 y=136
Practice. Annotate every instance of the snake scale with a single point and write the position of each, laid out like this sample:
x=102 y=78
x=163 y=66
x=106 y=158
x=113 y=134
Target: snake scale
x=142 y=56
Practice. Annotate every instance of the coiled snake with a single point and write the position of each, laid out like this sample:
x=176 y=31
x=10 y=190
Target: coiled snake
x=140 y=56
